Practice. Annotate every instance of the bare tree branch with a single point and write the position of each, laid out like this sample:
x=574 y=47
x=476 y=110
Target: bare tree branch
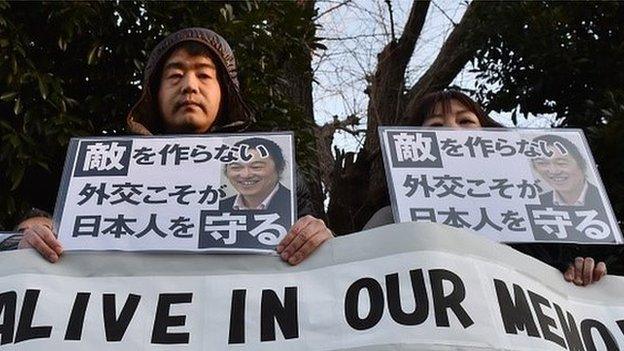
x=457 y=50
x=387 y=83
x=355 y=181
x=359 y=181
x=372 y=35
x=444 y=13
x=335 y=7
x=389 y=3
x=325 y=137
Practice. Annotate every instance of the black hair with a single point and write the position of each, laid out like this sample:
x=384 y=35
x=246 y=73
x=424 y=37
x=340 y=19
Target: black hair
x=427 y=104
x=275 y=152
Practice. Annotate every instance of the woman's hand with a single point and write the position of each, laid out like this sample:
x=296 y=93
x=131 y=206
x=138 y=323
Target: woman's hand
x=584 y=271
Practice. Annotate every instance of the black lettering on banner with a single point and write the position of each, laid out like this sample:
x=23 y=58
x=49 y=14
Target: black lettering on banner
x=164 y=320
x=545 y=321
x=570 y=330
x=77 y=316
x=421 y=310
x=25 y=329
x=451 y=301
x=515 y=312
x=271 y=310
x=8 y=305
x=375 y=294
x=586 y=330
x=115 y=327
x=164 y=152
x=237 y=317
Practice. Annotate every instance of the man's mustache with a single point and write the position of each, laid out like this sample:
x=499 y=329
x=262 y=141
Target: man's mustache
x=180 y=104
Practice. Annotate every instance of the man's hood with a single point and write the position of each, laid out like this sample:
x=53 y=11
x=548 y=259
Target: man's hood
x=144 y=117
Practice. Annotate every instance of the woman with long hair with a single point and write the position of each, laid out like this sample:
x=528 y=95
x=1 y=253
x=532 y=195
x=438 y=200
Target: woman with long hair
x=454 y=109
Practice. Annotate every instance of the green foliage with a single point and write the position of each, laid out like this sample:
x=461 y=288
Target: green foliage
x=74 y=68
x=562 y=58
x=608 y=147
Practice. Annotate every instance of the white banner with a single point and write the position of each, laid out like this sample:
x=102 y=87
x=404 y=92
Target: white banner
x=7 y=240
x=410 y=286
x=510 y=185
x=177 y=193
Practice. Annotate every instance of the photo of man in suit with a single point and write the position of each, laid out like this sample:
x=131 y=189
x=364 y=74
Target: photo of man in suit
x=565 y=172
x=257 y=180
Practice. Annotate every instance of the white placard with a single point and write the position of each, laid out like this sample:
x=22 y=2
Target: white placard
x=510 y=185
x=174 y=193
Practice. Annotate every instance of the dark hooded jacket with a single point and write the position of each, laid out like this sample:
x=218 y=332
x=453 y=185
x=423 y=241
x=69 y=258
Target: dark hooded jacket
x=234 y=116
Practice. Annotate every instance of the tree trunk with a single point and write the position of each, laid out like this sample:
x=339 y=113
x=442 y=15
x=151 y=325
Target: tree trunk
x=459 y=48
x=359 y=186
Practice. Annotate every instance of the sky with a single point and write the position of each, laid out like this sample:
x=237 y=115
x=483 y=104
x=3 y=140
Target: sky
x=355 y=31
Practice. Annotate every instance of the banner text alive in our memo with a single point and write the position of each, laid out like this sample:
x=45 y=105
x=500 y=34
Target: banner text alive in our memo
x=276 y=309
x=443 y=293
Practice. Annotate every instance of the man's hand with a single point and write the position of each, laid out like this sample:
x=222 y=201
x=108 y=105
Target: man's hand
x=584 y=271
x=38 y=235
x=304 y=237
